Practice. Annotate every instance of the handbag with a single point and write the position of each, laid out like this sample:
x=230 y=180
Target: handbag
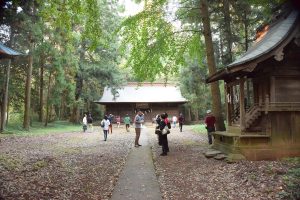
x=165 y=130
x=157 y=131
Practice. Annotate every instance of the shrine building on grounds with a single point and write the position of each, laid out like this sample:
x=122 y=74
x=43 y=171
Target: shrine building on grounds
x=262 y=90
x=150 y=98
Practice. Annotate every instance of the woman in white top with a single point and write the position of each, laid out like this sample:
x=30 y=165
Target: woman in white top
x=105 y=126
x=84 y=123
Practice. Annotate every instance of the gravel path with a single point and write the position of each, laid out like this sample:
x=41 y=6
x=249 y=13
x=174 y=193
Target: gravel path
x=82 y=166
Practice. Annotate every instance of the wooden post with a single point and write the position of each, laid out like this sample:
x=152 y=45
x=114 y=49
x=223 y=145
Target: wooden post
x=242 y=104
x=231 y=92
x=228 y=101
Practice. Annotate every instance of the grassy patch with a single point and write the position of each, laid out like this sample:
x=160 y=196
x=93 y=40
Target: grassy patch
x=39 y=165
x=10 y=163
x=292 y=180
x=199 y=128
x=38 y=128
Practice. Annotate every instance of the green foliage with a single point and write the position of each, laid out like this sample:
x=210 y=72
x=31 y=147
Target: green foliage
x=154 y=45
x=73 y=43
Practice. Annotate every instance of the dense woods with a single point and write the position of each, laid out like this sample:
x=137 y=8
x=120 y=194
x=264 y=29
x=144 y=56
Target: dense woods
x=73 y=49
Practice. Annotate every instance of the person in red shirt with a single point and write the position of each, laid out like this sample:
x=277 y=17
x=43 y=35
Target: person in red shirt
x=210 y=121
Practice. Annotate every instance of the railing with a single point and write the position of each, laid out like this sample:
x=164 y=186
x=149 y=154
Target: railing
x=251 y=115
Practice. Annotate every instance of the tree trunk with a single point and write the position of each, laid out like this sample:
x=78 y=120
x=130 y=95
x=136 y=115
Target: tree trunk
x=48 y=98
x=26 y=122
x=246 y=30
x=196 y=114
x=4 y=105
x=79 y=84
x=215 y=90
x=62 y=106
x=228 y=34
x=7 y=112
x=41 y=108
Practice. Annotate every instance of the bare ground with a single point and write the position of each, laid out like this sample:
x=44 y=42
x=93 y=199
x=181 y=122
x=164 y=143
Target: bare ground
x=62 y=166
x=82 y=166
x=187 y=174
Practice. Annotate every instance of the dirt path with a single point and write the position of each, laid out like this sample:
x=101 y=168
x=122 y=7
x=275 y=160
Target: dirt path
x=83 y=166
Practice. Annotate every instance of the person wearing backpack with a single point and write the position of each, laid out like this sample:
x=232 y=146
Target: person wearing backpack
x=105 y=126
x=90 y=122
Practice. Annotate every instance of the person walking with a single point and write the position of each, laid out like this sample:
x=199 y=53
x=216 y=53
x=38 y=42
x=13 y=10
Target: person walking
x=110 y=118
x=90 y=122
x=138 y=122
x=163 y=138
x=105 y=126
x=84 y=123
x=118 y=120
x=181 y=121
x=174 y=121
x=127 y=122
x=210 y=121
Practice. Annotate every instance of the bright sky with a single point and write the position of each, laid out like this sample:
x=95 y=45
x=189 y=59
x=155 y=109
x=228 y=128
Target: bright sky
x=131 y=8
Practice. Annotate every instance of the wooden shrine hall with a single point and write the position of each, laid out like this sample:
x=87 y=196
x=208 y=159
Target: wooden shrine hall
x=262 y=90
x=150 y=98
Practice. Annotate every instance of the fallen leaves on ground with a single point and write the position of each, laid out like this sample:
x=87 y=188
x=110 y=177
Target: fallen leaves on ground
x=187 y=174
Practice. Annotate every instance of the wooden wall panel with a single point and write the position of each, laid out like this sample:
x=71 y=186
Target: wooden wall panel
x=287 y=89
x=281 y=128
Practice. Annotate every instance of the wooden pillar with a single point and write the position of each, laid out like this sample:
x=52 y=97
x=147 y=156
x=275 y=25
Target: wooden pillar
x=260 y=95
x=228 y=101
x=242 y=103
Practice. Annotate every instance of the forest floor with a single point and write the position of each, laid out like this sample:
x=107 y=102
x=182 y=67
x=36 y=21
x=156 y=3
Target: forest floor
x=80 y=165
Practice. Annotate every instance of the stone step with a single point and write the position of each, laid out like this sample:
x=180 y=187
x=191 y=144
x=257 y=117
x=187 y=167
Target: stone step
x=220 y=156
x=212 y=153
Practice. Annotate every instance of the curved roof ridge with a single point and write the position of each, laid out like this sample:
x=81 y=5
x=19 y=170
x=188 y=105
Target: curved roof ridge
x=276 y=34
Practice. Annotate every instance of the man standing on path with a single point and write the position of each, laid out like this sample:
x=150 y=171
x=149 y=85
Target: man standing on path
x=180 y=120
x=127 y=122
x=210 y=121
x=138 y=122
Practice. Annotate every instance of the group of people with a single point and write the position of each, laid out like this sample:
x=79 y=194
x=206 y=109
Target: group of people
x=162 y=126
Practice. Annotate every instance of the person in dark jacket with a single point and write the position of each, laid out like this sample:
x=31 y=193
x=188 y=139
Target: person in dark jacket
x=210 y=121
x=90 y=122
x=180 y=120
x=163 y=138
